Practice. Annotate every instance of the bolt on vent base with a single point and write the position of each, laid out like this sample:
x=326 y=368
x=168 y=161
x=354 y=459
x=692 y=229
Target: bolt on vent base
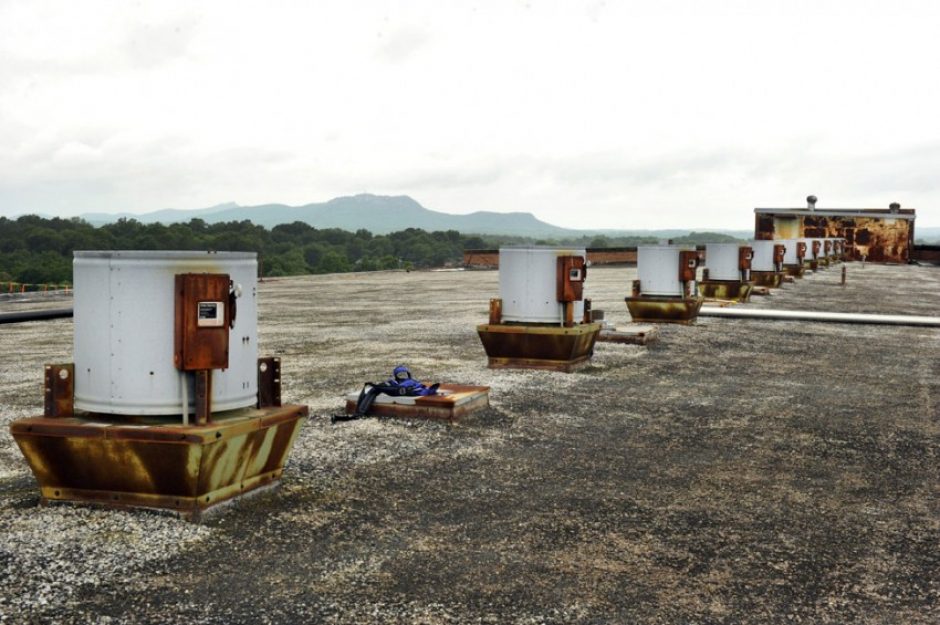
x=549 y=347
x=152 y=464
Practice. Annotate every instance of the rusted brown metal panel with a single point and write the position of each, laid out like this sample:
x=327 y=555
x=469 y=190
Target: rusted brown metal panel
x=764 y=227
x=926 y=253
x=59 y=390
x=481 y=259
x=201 y=342
x=612 y=256
x=269 y=382
x=538 y=347
x=569 y=288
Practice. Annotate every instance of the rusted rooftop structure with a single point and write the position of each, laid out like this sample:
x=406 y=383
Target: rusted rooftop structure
x=875 y=234
x=729 y=472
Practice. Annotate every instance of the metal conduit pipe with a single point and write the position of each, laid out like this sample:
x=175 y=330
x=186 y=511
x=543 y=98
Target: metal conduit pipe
x=35 y=315
x=811 y=315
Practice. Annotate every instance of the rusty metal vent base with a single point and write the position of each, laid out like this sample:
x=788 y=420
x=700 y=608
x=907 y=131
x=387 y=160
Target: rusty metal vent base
x=538 y=346
x=769 y=279
x=152 y=464
x=797 y=271
x=654 y=309
x=726 y=290
x=453 y=402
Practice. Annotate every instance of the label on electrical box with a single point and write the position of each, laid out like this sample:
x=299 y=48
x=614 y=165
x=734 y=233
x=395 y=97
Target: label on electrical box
x=211 y=315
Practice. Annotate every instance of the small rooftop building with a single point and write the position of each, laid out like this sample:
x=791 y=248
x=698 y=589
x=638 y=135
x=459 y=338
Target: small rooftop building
x=875 y=234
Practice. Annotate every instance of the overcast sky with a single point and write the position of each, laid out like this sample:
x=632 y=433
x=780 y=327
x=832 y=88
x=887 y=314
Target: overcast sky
x=595 y=114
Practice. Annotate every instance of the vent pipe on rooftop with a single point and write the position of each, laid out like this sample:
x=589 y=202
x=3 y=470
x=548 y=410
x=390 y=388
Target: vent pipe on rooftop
x=811 y=202
x=812 y=315
x=894 y=207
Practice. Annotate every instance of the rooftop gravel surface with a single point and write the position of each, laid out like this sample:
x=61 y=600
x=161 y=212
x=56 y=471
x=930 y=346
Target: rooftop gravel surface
x=731 y=472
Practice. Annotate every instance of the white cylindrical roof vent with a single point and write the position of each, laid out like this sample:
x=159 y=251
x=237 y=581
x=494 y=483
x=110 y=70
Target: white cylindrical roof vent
x=528 y=284
x=124 y=321
x=657 y=268
x=790 y=257
x=723 y=261
x=811 y=202
x=822 y=248
x=763 y=255
x=809 y=248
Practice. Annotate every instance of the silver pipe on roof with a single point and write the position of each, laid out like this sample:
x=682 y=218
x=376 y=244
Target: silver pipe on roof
x=811 y=315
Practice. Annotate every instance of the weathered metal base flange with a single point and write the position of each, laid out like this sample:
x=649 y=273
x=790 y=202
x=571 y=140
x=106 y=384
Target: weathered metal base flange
x=726 y=289
x=770 y=279
x=154 y=464
x=453 y=402
x=654 y=309
x=796 y=271
x=538 y=346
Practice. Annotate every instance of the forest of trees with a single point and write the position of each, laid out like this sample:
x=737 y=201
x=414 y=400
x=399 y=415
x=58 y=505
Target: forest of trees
x=36 y=250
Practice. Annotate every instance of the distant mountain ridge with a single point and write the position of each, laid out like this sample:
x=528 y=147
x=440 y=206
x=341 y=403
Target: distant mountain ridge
x=377 y=213
x=380 y=214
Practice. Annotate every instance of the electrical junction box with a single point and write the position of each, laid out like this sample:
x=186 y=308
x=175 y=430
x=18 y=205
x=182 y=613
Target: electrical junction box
x=572 y=270
x=688 y=263
x=204 y=311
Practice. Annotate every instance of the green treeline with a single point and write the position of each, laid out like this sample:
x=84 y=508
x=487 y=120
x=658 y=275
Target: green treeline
x=36 y=250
